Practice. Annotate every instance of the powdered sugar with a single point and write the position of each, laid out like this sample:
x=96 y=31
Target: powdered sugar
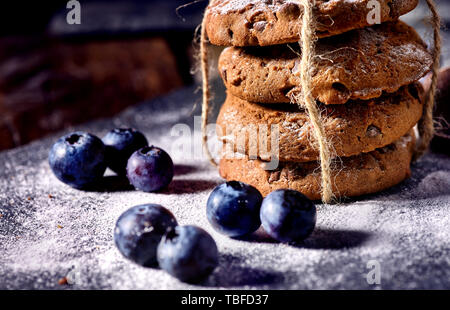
x=69 y=233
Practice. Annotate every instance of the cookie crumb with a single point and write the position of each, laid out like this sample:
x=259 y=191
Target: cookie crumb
x=63 y=281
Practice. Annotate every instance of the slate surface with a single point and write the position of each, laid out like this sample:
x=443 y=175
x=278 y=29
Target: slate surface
x=49 y=230
x=105 y=17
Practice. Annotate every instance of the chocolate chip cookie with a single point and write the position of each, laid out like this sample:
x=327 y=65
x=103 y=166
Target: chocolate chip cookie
x=359 y=64
x=358 y=126
x=352 y=176
x=271 y=22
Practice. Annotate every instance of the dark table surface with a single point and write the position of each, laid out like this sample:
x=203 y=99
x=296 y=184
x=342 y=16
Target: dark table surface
x=49 y=231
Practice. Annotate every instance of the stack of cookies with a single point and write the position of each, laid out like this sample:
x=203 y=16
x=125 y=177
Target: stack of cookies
x=364 y=81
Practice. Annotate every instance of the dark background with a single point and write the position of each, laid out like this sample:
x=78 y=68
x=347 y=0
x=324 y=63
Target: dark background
x=54 y=75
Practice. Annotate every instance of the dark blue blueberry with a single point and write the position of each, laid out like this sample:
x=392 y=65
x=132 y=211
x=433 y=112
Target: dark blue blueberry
x=78 y=159
x=140 y=229
x=288 y=215
x=233 y=208
x=150 y=169
x=188 y=253
x=120 y=144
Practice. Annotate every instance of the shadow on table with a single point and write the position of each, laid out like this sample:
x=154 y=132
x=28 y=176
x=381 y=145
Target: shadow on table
x=115 y=183
x=180 y=169
x=334 y=239
x=325 y=239
x=188 y=186
x=231 y=273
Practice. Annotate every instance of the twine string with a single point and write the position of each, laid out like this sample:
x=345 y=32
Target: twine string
x=426 y=126
x=206 y=92
x=306 y=100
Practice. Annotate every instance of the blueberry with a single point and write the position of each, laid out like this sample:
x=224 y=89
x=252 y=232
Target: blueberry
x=120 y=144
x=150 y=169
x=288 y=215
x=78 y=159
x=140 y=229
x=233 y=208
x=188 y=253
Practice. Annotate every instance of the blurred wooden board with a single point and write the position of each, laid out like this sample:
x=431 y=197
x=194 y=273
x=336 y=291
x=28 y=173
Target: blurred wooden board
x=46 y=85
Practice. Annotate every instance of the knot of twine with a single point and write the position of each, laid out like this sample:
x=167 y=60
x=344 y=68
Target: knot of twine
x=305 y=99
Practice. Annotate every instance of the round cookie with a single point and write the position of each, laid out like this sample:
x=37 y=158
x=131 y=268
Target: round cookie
x=359 y=64
x=271 y=22
x=353 y=176
x=356 y=127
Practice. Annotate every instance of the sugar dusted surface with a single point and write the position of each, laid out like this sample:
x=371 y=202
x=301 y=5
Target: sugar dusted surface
x=49 y=231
